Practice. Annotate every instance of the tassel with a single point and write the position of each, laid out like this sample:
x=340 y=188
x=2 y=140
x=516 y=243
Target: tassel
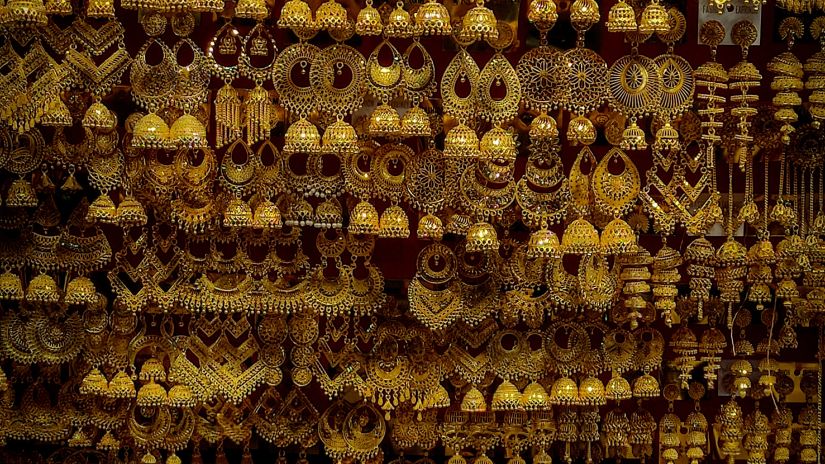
x=247 y=456
x=71 y=185
x=44 y=182
x=258 y=115
x=220 y=456
x=196 y=455
x=227 y=115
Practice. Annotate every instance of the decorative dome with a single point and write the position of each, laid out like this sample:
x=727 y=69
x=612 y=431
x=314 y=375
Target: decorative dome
x=741 y=370
x=667 y=138
x=180 y=396
x=415 y=123
x=188 y=132
x=581 y=130
x=99 y=117
x=79 y=439
x=302 y=137
x=340 y=137
x=21 y=194
x=331 y=16
x=130 y=213
x=542 y=457
x=58 y=114
x=267 y=216
x=152 y=369
x=618 y=238
x=80 y=290
x=646 y=386
x=506 y=397
x=481 y=237
x=364 y=219
x=108 y=442
x=102 y=210
x=433 y=18
x=564 y=392
x=761 y=252
x=654 y=19
x=543 y=127
x=23 y=13
x=394 y=223
x=430 y=227
x=11 y=287
x=328 y=215
x=479 y=23
x=744 y=71
x=461 y=142
x=618 y=388
x=473 y=401
x=296 y=14
x=621 y=18
x=58 y=7
x=580 y=237
x=150 y=132
x=151 y=395
x=591 y=392
x=457 y=224
x=633 y=137
x=238 y=214
x=731 y=253
x=300 y=213
x=121 y=386
x=543 y=243
x=535 y=397
x=584 y=14
x=94 y=383
x=42 y=289
x=384 y=121
x=543 y=14
x=438 y=398
x=399 y=23
x=497 y=144
x=700 y=250
x=252 y=9
x=368 y=21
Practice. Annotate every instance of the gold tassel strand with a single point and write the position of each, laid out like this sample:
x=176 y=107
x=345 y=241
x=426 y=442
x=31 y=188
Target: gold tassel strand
x=258 y=115
x=227 y=115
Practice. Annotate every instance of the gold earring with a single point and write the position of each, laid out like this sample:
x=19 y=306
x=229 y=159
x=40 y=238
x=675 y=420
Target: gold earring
x=368 y=21
x=433 y=18
x=252 y=9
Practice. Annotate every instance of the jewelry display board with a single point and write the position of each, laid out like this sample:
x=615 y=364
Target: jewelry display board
x=300 y=231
